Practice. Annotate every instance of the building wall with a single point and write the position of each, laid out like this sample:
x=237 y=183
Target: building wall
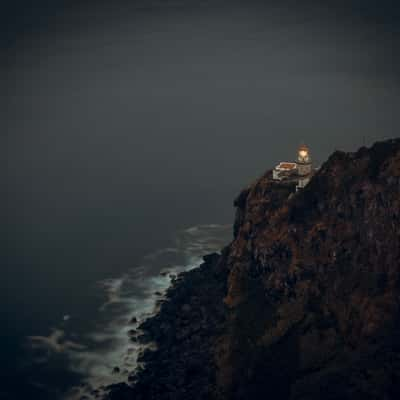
x=303 y=182
x=275 y=174
x=304 y=169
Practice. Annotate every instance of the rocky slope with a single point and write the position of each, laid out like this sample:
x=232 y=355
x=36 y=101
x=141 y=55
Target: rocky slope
x=303 y=304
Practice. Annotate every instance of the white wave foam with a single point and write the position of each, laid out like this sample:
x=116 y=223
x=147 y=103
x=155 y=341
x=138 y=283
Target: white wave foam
x=54 y=343
x=135 y=294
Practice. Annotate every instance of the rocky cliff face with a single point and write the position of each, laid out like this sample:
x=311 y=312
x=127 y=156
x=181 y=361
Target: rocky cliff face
x=313 y=285
x=303 y=304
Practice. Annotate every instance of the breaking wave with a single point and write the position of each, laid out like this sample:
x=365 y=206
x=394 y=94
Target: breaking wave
x=107 y=354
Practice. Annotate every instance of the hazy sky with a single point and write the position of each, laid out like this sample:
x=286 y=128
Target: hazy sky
x=122 y=121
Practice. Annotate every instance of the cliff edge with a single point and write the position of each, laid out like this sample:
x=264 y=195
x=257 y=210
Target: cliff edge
x=302 y=304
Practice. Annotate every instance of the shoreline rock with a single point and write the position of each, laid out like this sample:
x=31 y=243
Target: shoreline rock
x=304 y=304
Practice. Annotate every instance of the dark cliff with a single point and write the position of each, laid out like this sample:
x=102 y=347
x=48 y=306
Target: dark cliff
x=303 y=304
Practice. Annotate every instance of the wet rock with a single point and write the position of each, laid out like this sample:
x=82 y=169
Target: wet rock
x=95 y=393
x=211 y=258
x=144 y=338
x=131 y=378
x=186 y=308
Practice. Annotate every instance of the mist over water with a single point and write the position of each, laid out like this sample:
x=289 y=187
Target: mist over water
x=124 y=125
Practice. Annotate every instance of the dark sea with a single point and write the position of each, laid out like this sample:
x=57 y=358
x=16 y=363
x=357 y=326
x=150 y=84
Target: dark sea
x=79 y=348
x=126 y=131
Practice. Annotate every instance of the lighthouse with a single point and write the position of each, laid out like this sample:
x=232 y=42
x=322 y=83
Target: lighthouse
x=304 y=166
x=299 y=172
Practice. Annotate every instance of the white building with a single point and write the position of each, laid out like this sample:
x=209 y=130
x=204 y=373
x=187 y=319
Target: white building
x=284 y=170
x=301 y=170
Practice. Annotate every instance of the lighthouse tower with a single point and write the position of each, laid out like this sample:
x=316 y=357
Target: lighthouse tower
x=304 y=166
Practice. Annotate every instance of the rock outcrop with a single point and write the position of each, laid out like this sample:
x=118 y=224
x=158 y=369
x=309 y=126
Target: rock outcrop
x=303 y=304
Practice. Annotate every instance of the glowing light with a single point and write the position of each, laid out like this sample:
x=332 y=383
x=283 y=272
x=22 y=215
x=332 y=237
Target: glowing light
x=303 y=153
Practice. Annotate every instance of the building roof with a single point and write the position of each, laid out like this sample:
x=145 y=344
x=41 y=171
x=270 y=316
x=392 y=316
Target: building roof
x=303 y=147
x=288 y=166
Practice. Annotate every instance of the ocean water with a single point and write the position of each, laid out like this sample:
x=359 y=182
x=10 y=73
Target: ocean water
x=123 y=126
x=81 y=353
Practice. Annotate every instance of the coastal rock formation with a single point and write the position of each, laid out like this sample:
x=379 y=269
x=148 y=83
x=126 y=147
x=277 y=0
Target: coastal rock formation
x=302 y=304
x=185 y=330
